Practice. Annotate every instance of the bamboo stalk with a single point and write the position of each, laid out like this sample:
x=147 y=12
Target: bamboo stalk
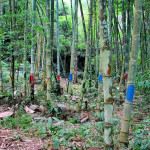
x=132 y=73
x=107 y=80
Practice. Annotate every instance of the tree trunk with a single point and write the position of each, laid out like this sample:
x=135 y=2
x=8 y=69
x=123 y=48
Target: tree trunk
x=107 y=80
x=58 y=54
x=1 y=84
x=49 y=49
x=12 y=75
x=87 y=54
x=39 y=54
x=83 y=21
x=33 y=51
x=75 y=80
x=44 y=62
x=96 y=46
x=148 y=31
x=72 y=48
x=25 y=52
x=132 y=73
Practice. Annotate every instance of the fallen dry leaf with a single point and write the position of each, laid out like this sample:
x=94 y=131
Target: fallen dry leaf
x=41 y=108
x=6 y=113
x=28 y=110
x=33 y=107
x=62 y=106
x=84 y=119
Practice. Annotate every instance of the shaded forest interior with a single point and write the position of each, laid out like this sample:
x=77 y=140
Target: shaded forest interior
x=75 y=74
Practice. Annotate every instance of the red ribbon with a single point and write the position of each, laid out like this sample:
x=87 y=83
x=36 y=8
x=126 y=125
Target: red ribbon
x=75 y=70
x=126 y=76
x=58 y=77
x=31 y=78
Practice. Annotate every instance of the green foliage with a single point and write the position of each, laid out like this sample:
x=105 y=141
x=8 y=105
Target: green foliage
x=22 y=121
x=142 y=81
x=141 y=139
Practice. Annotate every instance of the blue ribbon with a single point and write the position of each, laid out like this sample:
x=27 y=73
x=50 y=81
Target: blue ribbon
x=100 y=78
x=130 y=93
x=0 y=76
x=70 y=77
x=42 y=70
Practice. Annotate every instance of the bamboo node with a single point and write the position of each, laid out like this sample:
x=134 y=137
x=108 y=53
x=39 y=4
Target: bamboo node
x=126 y=142
x=108 y=145
x=124 y=132
x=107 y=125
x=106 y=103
x=126 y=119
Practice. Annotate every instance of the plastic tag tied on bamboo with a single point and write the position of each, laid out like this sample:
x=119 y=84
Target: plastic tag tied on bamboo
x=100 y=78
x=70 y=77
x=0 y=76
x=130 y=93
x=75 y=70
x=126 y=76
x=31 y=79
x=58 y=77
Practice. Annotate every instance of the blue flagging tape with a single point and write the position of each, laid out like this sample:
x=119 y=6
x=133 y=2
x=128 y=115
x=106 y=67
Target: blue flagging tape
x=112 y=76
x=0 y=76
x=100 y=78
x=70 y=77
x=42 y=70
x=130 y=93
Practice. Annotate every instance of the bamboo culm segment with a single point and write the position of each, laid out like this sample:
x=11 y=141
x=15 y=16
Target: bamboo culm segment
x=107 y=80
x=132 y=73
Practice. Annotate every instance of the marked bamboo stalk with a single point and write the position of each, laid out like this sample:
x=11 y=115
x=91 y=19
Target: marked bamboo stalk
x=44 y=62
x=75 y=80
x=86 y=55
x=33 y=50
x=49 y=52
x=72 y=48
x=58 y=53
x=1 y=83
x=25 y=53
x=132 y=73
x=107 y=79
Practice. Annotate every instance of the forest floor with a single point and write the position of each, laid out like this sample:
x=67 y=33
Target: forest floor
x=60 y=128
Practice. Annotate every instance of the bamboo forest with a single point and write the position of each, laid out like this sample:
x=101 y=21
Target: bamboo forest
x=75 y=74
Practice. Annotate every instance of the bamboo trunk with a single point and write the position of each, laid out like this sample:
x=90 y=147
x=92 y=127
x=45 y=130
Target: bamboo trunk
x=72 y=48
x=58 y=54
x=49 y=51
x=1 y=84
x=39 y=54
x=132 y=73
x=83 y=21
x=33 y=51
x=86 y=55
x=107 y=80
x=25 y=53
x=44 y=62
